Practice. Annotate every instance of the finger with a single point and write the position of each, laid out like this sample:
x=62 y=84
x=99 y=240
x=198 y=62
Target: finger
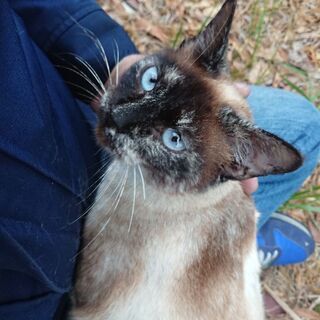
x=123 y=66
x=250 y=185
x=243 y=88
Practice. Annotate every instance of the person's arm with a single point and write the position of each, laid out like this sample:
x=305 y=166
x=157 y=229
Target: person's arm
x=60 y=27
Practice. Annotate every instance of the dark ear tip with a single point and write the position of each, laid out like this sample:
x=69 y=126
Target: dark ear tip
x=295 y=159
x=298 y=161
x=232 y=3
x=228 y=8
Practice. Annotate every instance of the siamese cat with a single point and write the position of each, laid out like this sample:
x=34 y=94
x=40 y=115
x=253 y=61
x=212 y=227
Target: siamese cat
x=171 y=234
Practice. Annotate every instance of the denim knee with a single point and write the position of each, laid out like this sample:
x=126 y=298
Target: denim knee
x=296 y=120
x=285 y=114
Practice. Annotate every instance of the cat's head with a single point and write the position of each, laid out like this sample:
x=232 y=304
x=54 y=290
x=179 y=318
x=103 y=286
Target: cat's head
x=175 y=114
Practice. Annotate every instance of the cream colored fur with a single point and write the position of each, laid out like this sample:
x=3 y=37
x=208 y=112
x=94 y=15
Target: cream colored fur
x=166 y=236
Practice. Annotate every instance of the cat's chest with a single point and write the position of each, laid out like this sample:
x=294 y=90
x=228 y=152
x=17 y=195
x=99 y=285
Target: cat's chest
x=164 y=234
x=138 y=242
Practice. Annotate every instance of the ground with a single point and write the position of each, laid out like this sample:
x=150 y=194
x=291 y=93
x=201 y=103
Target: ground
x=275 y=43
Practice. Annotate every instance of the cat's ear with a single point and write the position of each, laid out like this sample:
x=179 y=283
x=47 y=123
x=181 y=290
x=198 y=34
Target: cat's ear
x=255 y=152
x=208 y=49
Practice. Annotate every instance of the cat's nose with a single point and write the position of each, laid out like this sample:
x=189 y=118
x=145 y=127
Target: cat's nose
x=126 y=116
x=122 y=118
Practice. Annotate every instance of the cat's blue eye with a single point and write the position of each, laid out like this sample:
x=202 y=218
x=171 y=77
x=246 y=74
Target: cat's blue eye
x=149 y=78
x=172 y=139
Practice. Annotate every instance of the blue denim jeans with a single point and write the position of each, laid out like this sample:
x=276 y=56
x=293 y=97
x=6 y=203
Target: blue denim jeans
x=296 y=120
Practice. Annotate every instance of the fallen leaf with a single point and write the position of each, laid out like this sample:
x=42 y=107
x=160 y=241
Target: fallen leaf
x=314 y=231
x=308 y=314
x=271 y=306
x=153 y=30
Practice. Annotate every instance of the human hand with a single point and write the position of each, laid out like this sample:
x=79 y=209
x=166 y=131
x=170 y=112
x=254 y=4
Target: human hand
x=123 y=66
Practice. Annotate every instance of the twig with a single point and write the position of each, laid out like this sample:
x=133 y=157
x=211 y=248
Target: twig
x=314 y=303
x=281 y=303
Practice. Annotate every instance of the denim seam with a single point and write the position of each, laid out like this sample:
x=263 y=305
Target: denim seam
x=5 y=148
x=68 y=24
x=50 y=282
x=33 y=224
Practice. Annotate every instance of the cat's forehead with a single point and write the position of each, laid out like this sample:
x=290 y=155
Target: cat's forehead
x=181 y=92
x=169 y=67
x=174 y=67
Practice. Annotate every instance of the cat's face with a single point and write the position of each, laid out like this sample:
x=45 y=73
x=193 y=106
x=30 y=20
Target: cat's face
x=173 y=114
x=164 y=115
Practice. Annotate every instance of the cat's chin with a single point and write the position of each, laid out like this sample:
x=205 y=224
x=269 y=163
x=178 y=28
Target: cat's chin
x=167 y=184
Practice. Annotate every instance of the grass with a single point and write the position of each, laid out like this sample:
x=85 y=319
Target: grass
x=178 y=37
x=308 y=200
x=257 y=28
x=310 y=91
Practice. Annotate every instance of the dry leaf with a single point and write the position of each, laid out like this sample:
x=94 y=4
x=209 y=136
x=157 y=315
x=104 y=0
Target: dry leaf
x=315 y=232
x=153 y=30
x=308 y=314
x=271 y=306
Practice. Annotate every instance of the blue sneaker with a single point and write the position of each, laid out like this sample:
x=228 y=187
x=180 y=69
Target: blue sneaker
x=283 y=240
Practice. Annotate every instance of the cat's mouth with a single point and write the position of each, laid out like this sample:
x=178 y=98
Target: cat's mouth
x=119 y=144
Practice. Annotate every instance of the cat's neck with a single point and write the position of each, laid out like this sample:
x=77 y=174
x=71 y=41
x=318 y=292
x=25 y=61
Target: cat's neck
x=128 y=194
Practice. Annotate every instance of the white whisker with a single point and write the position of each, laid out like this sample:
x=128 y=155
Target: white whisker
x=104 y=191
x=87 y=99
x=90 y=94
x=98 y=198
x=105 y=164
x=103 y=54
x=93 y=72
x=143 y=184
x=134 y=197
x=81 y=74
x=100 y=178
x=123 y=181
x=96 y=181
x=117 y=60
x=126 y=178
x=96 y=42
x=88 y=67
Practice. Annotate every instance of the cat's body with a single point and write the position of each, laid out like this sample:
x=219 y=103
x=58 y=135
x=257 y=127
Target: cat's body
x=185 y=257
x=187 y=249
